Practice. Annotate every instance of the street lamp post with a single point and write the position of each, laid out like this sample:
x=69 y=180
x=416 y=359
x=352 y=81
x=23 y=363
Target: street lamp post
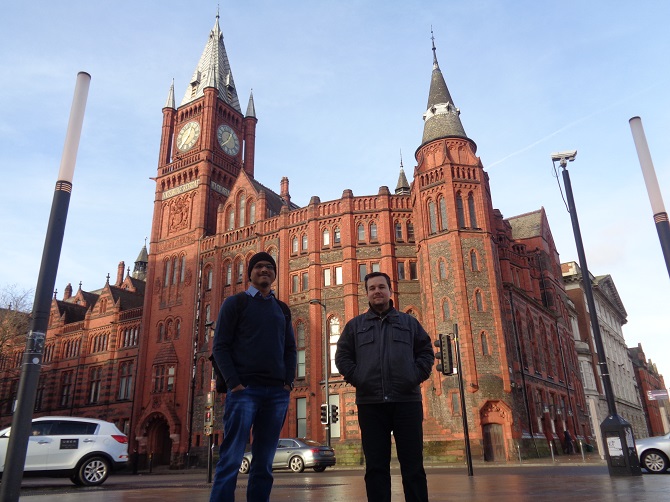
x=326 y=369
x=622 y=459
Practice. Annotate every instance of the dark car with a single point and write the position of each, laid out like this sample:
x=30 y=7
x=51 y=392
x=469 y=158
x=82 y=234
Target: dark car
x=296 y=454
x=654 y=453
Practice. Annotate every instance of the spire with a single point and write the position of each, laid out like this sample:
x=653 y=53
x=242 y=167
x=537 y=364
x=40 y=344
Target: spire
x=251 y=109
x=402 y=188
x=213 y=70
x=170 y=100
x=441 y=117
x=140 y=270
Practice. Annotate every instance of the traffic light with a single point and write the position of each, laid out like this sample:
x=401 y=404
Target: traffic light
x=333 y=414
x=445 y=361
x=324 y=414
x=208 y=417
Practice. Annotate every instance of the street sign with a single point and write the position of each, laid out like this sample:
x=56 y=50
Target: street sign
x=653 y=395
x=208 y=430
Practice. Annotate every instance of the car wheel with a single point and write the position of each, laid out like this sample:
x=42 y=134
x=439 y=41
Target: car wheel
x=319 y=468
x=296 y=464
x=244 y=467
x=92 y=472
x=655 y=462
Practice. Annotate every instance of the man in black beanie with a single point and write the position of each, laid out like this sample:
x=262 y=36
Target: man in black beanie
x=254 y=347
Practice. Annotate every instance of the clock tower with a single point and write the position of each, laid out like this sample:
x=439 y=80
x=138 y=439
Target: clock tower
x=205 y=144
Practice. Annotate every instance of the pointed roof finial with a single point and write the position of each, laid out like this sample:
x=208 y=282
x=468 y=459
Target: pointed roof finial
x=402 y=188
x=401 y=158
x=432 y=38
x=107 y=284
x=251 y=108
x=170 y=99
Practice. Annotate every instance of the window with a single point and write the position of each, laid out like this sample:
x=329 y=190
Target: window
x=338 y=275
x=39 y=396
x=294 y=245
x=446 y=310
x=177 y=330
x=373 y=231
x=401 y=271
x=208 y=313
x=210 y=278
x=11 y=407
x=182 y=274
x=361 y=232
x=443 y=269
x=473 y=212
x=304 y=241
x=443 y=214
x=161 y=332
x=295 y=283
x=301 y=417
x=326 y=277
x=95 y=382
x=242 y=209
x=166 y=280
x=455 y=404
x=336 y=235
x=175 y=270
x=229 y=274
x=375 y=267
x=252 y=213
x=164 y=378
x=240 y=271
x=432 y=217
x=362 y=271
x=485 y=344
x=231 y=219
x=326 y=237
x=334 y=331
x=300 y=344
x=125 y=380
x=460 y=215
x=474 y=264
x=305 y=281
x=479 y=301
x=412 y=271
x=410 y=231
x=398 y=231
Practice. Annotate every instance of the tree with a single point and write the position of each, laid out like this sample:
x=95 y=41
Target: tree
x=15 y=312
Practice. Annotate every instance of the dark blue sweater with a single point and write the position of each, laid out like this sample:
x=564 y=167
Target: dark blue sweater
x=259 y=347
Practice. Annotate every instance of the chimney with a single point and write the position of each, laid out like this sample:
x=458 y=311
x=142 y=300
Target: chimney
x=119 y=273
x=68 y=292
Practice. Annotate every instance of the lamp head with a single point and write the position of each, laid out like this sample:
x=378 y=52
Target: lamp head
x=564 y=157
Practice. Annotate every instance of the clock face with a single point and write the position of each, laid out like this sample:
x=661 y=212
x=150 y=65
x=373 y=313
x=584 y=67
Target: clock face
x=228 y=140
x=188 y=135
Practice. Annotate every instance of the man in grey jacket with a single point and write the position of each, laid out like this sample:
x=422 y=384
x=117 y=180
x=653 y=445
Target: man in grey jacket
x=386 y=355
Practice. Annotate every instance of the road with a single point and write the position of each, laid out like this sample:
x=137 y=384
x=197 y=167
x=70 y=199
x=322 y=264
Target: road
x=575 y=483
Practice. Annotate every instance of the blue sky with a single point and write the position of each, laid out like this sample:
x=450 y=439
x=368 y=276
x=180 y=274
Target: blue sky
x=340 y=88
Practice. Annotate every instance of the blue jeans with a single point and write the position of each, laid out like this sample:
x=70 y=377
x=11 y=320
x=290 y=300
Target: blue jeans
x=405 y=420
x=264 y=410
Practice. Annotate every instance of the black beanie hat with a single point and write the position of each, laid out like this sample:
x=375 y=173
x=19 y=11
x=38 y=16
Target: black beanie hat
x=262 y=256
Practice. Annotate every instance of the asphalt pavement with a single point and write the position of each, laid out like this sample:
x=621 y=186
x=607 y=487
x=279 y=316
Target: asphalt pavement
x=567 y=479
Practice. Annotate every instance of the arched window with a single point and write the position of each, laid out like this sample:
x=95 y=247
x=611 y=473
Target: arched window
x=443 y=269
x=300 y=344
x=485 y=344
x=210 y=279
x=471 y=209
x=479 y=301
x=474 y=264
x=167 y=273
x=334 y=336
x=161 y=332
x=177 y=329
x=446 y=310
x=294 y=244
x=252 y=212
x=182 y=274
x=175 y=270
x=240 y=270
x=410 y=231
x=361 y=232
x=443 y=214
x=460 y=215
x=242 y=201
x=230 y=218
x=229 y=273
x=304 y=241
x=398 y=231
x=432 y=217
x=373 y=231
x=336 y=237
x=326 y=237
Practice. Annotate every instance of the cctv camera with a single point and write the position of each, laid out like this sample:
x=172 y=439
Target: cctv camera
x=569 y=155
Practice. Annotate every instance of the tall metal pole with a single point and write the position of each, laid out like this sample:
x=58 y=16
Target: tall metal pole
x=461 y=389
x=326 y=367
x=655 y=198
x=617 y=432
x=46 y=281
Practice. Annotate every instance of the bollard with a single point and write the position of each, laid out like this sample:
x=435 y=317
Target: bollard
x=518 y=449
x=551 y=447
x=581 y=447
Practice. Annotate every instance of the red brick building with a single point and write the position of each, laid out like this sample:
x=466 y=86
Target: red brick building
x=451 y=256
x=648 y=381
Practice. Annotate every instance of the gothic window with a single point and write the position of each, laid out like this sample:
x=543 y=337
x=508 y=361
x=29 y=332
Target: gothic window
x=164 y=376
x=182 y=274
x=175 y=270
x=432 y=217
x=166 y=281
x=95 y=382
x=252 y=212
x=443 y=214
x=336 y=237
x=334 y=336
x=485 y=344
x=473 y=212
x=229 y=273
x=304 y=239
x=373 y=232
x=125 y=380
x=479 y=301
x=242 y=209
x=398 y=231
x=67 y=380
x=230 y=218
x=177 y=329
x=168 y=330
x=446 y=310
x=161 y=332
x=460 y=214
x=208 y=313
x=326 y=237
x=361 y=232
x=300 y=344
x=294 y=244
x=210 y=278
x=410 y=231
x=443 y=269
x=474 y=264
x=240 y=271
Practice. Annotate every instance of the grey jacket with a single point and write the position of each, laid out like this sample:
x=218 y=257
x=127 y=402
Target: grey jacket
x=385 y=358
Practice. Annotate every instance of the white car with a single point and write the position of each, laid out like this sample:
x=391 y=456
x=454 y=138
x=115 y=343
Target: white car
x=654 y=453
x=83 y=449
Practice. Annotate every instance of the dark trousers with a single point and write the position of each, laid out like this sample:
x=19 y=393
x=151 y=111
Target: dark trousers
x=405 y=420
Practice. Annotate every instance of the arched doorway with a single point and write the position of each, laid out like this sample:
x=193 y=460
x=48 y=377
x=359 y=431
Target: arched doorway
x=158 y=441
x=496 y=423
x=494 y=443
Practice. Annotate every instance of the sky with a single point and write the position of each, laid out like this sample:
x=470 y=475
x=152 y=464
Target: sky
x=340 y=89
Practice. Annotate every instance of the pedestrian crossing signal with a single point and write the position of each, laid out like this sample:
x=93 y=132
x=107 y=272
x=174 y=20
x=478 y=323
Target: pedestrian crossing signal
x=444 y=356
x=324 y=414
